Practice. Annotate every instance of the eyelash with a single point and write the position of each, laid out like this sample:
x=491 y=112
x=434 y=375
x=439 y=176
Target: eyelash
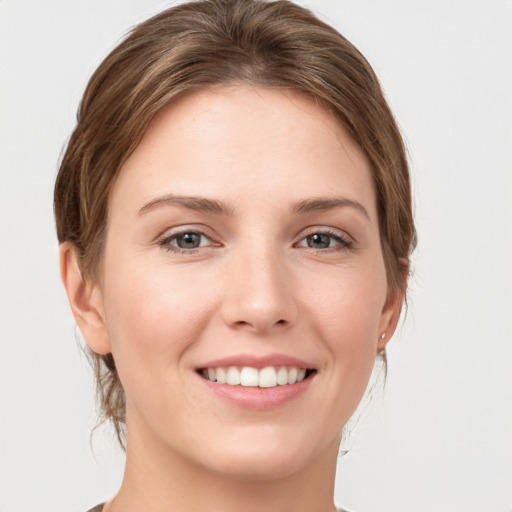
x=167 y=241
x=344 y=243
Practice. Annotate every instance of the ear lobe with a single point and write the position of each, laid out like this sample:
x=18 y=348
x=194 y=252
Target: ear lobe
x=85 y=300
x=392 y=309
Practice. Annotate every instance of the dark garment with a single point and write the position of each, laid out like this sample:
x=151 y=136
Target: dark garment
x=97 y=508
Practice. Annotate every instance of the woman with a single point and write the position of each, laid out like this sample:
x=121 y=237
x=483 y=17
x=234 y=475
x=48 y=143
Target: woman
x=234 y=215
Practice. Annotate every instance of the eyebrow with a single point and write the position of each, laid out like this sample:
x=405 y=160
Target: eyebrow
x=199 y=204
x=203 y=204
x=328 y=203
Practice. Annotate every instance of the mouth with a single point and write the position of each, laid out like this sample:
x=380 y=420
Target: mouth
x=252 y=377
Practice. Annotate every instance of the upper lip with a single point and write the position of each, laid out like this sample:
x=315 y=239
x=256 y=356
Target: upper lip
x=258 y=361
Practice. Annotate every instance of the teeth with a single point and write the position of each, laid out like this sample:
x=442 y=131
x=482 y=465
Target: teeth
x=282 y=376
x=292 y=375
x=268 y=377
x=248 y=376
x=233 y=376
x=221 y=375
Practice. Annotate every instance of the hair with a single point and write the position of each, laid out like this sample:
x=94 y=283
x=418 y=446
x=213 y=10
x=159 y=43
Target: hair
x=207 y=43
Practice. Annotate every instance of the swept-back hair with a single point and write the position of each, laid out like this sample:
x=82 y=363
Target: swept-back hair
x=201 y=44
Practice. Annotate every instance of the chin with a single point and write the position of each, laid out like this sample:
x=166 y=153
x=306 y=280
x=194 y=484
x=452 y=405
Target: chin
x=265 y=456
x=259 y=467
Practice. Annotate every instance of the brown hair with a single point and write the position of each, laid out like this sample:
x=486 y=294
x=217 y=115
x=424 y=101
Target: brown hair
x=200 y=44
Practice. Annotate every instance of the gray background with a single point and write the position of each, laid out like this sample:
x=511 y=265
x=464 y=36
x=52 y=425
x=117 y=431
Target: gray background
x=439 y=437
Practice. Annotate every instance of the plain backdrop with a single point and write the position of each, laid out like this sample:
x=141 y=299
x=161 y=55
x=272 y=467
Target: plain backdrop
x=439 y=438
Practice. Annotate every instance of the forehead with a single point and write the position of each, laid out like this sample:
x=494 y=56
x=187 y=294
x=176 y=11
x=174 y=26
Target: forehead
x=236 y=142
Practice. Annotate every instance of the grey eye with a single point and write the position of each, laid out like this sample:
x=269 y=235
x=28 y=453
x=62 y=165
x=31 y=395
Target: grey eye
x=325 y=240
x=188 y=240
x=319 y=241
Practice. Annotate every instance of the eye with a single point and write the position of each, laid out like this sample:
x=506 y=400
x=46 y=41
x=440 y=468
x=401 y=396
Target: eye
x=325 y=240
x=185 y=241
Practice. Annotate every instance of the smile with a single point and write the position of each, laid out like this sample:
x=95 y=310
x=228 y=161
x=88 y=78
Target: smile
x=248 y=376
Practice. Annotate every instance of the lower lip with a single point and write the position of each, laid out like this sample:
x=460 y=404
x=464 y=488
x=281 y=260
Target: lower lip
x=258 y=398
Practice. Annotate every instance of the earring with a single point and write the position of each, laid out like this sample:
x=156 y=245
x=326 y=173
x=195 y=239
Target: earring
x=383 y=336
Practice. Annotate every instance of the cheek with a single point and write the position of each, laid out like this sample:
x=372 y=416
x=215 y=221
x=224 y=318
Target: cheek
x=153 y=314
x=348 y=319
x=350 y=302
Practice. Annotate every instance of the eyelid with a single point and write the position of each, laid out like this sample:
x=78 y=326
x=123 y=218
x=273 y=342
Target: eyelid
x=346 y=241
x=171 y=233
x=185 y=228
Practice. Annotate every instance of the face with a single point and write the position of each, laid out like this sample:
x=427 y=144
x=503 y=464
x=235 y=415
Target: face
x=243 y=288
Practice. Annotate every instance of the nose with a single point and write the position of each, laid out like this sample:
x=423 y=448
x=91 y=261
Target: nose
x=258 y=294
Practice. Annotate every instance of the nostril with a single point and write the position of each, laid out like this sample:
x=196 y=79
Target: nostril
x=281 y=321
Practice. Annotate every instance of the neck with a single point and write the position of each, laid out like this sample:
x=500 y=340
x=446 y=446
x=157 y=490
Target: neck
x=157 y=479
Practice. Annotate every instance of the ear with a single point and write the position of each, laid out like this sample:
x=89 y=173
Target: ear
x=85 y=299
x=391 y=311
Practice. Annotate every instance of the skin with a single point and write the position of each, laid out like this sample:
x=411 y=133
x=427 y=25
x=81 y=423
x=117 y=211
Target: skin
x=254 y=286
